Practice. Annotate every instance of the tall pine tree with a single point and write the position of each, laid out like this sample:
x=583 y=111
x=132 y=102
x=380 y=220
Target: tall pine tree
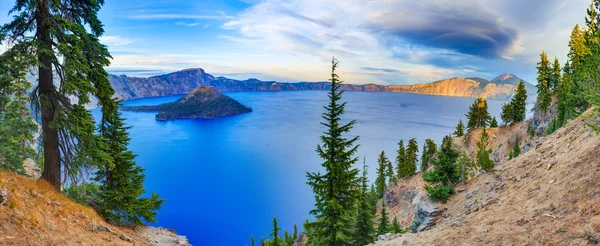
x=336 y=190
x=122 y=183
x=62 y=37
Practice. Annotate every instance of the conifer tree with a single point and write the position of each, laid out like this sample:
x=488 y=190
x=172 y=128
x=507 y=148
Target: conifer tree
x=276 y=241
x=445 y=173
x=287 y=239
x=591 y=82
x=364 y=230
x=373 y=198
x=295 y=235
x=384 y=223
x=411 y=157
x=516 y=151
x=460 y=129
x=556 y=75
x=122 y=183
x=494 y=122
x=396 y=228
x=515 y=110
x=252 y=240
x=544 y=80
x=478 y=115
x=382 y=174
x=336 y=190
x=483 y=154
x=16 y=124
x=571 y=98
x=401 y=160
x=262 y=241
x=62 y=38
x=429 y=150
x=389 y=169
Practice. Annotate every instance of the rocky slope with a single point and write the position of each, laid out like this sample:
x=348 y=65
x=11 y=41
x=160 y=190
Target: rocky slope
x=33 y=213
x=546 y=196
x=204 y=102
x=182 y=82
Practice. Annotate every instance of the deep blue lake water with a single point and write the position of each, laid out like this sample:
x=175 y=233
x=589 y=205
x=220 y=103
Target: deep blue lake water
x=225 y=179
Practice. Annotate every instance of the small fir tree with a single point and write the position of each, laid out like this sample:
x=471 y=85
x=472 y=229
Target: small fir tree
x=364 y=230
x=429 y=150
x=380 y=182
x=478 y=115
x=396 y=228
x=411 y=157
x=516 y=151
x=276 y=241
x=556 y=75
x=494 y=123
x=384 y=223
x=295 y=235
x=122 y=184
x=460 y=129
x=445 y=173
x=544 y=79
x=287 y=239
x=483 y=154
x=401 y=160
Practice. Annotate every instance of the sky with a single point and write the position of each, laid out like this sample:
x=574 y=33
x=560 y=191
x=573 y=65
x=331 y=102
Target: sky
x=376 y=41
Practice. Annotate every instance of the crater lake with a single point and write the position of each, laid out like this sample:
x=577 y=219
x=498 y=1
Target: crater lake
x=225 y=179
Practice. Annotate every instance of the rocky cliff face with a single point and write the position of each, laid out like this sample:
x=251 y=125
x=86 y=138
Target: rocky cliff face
x=185 y=81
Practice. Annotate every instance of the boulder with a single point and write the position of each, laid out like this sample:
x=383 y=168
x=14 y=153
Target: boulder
x=3 y=197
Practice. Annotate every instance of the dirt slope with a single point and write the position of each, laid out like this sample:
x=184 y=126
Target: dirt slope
x=33 y=213
x=547 y=196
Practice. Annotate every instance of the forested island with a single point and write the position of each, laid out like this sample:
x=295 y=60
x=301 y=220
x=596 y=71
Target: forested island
x=204 y=102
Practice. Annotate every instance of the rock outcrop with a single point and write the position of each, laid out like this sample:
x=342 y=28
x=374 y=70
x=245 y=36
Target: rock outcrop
x=183 y=82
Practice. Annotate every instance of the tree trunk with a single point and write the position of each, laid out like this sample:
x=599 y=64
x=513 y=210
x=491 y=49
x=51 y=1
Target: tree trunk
x=48 y=102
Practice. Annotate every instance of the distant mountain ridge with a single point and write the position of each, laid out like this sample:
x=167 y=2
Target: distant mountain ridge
x=184 y=81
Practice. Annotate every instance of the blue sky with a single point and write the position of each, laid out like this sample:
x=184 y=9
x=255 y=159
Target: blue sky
x=383 y=42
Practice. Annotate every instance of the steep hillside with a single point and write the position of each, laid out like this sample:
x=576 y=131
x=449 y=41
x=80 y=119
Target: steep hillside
x=183 y=82
x=546 y=196
x=33 y=213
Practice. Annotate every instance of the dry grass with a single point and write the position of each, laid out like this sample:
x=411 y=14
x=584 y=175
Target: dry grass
x=36 y=214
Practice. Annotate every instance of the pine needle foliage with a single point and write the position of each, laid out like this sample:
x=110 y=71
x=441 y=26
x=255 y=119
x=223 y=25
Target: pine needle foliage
x=336 y=190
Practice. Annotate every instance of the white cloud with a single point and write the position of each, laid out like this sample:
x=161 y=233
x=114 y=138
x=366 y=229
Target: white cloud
x=116 y=40
x=188 y=24
x=178 y=16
